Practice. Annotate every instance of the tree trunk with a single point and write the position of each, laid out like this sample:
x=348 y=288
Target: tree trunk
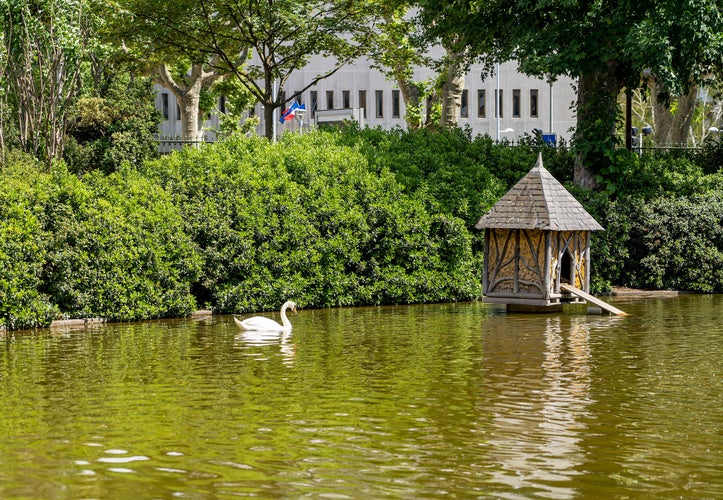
x=452 y=90
x=683 y=118
x=671 y=128
x=662 y=116
x=269 y=121
x=411 y=96
x=188 y=97
x=594 y=137
x=190 y=124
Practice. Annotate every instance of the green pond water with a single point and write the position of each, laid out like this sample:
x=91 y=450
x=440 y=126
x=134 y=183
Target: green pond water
x=435 y=401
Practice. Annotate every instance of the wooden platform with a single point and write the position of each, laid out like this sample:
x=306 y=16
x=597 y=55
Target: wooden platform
x=593 y=300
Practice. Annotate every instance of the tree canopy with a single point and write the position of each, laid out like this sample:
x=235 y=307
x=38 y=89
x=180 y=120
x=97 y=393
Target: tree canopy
x=280 y=35
x=605 y=45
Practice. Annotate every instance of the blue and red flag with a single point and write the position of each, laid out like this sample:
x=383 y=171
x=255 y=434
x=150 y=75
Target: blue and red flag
x=290 y=112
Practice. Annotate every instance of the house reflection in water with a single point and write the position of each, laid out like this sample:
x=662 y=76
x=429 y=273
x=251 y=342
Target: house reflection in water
x=539 y=371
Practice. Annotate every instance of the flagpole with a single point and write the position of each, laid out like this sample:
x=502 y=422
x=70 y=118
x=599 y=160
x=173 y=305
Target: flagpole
x=275 y=88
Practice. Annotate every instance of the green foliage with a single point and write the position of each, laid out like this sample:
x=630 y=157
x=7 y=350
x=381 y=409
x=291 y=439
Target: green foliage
x=654 y=174
x=308 y=218
x=447 y=165
x=118 y=249
x=711 y=157
x=460 y=175
x=117 y=127
x=673 y=243
x=605 y=46
x=663 y=229
x=238 y=101
x=328 y=219
x=43 y=43
x=23 y=246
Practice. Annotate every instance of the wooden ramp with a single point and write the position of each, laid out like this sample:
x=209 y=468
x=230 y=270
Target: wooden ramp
x=592 y=299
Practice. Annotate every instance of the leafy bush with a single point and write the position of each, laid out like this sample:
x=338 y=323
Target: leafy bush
x=330 y=219
x=677 y=243
x=308 y=218
x=23 y=246
x=461 y=175
x=117 y=249
x=119 y=126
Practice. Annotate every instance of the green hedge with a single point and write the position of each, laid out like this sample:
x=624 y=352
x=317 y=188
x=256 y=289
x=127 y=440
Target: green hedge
x=117 y=249
x=23 y=246
x=673 y=243
x=309 y=218
x=328 y=219
x=111 y=246
x=664 y=225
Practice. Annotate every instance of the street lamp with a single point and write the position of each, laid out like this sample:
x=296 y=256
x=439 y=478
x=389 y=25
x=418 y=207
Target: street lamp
x=299 y=114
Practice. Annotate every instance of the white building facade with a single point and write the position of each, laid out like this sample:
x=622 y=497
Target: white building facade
x=523 y=103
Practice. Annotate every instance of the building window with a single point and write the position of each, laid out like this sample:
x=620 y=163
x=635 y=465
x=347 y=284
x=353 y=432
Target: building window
x=345 y=99
x=379 y=101
x=516 y=104
x=395 y=104
x=164 y=104
x=533 y=103
x=329 y=99
x=464 y=104
x=314 y=101
x=481 y=103
x=222 y=104
x=363 y=102
x=178 y=112
x=499 y=112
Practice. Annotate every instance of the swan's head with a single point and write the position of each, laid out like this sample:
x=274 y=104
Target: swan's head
x=290 y=305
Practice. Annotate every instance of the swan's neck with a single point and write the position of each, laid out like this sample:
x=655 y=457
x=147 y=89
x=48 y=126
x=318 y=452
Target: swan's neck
x=284 y=320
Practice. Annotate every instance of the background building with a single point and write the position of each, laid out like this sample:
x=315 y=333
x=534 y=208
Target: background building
x=525 y=103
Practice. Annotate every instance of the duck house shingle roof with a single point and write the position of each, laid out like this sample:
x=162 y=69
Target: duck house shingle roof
x=539 y=201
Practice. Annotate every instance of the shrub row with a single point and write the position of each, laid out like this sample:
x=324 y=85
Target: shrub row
x=310 y=219
x=111 y=246
x=238 y=226
x=328 y=219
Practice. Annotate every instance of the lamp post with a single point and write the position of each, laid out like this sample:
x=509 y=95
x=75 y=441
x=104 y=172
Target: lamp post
x=274 y=90
x=299 y=113
x=552 y=131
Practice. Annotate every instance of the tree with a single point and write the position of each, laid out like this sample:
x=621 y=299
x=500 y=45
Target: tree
x=606 y=46
x=43 y=45
x=395 y=55
x=161 y=40
x=398 y=48
x=187 y=90
x=672 y=116
x=283 y=35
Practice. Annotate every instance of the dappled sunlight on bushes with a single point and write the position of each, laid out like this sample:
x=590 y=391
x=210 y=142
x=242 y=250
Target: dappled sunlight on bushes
x=360 y=216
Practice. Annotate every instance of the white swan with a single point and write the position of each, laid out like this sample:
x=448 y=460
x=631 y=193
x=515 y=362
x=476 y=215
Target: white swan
x=262 y=324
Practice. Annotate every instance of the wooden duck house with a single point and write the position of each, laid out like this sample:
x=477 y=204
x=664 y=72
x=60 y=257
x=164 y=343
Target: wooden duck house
x=537 y=244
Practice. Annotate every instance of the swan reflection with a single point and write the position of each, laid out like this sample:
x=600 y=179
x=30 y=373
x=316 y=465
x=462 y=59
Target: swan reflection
x=261 y=339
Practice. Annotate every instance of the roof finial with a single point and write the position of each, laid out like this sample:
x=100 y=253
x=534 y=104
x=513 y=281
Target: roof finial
x=539 y=160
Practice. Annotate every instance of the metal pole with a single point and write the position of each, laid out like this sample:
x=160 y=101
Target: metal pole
x=497 y=101
x=275 y=92
x=552 y=131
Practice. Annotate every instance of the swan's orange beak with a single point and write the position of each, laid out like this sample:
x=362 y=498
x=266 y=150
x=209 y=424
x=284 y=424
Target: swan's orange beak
x=293 y=308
